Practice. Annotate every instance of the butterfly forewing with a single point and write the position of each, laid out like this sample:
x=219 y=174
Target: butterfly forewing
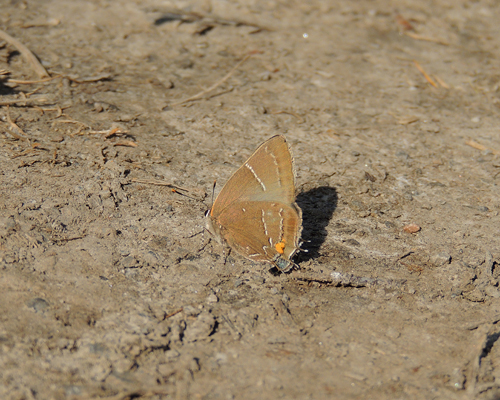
x=266 y=176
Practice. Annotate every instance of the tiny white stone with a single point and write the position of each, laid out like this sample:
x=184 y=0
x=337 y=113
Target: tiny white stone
x=212 y=298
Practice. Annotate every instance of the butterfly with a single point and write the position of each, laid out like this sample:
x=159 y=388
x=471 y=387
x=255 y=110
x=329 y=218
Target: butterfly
x=255 y=213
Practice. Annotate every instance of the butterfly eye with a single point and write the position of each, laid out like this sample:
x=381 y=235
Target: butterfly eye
x=207 y=213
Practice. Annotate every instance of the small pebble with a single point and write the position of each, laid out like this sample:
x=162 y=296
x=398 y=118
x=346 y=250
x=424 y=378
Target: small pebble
x=392 y=333
x=352 y=242
x=212 y=298
x=125 y=118
x=411 y=228
x=457 y=379
x=38 y=304
x=191 y=311
x=57 y=138
x=201 y=328
x=408 y=196
x=357 y=205
x=441 y=259
x=492 y=292
x=402 y=155
x=129 y=262
x=266 y=76
x=238 y=282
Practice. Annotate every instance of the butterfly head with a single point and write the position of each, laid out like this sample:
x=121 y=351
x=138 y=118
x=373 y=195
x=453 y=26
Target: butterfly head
x=282 y=264
x=212 y=227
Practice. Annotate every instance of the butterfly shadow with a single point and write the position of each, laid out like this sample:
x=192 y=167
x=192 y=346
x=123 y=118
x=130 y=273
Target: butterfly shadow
x=318 y=206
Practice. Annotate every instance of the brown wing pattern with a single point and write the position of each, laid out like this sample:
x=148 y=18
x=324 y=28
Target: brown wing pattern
x=255 y=213
x=253 y=229
x=266 y=176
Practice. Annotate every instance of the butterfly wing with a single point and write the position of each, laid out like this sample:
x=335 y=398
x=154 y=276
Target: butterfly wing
x=261 y=232
x=255 y=212
x=266 y=176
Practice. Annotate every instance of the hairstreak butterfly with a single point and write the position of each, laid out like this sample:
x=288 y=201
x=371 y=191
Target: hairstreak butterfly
x=255 y=213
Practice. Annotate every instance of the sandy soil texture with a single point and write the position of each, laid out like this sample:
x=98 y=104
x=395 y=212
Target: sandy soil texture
x=108 y=288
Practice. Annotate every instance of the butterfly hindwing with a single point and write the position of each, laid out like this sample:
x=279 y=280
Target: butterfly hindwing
x=261 y=231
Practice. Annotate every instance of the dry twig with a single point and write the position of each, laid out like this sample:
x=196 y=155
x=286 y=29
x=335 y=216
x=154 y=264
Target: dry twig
x=108 y=132
x=300 y=119
x=426 y=76
x=441 y=82
x=23 y=153
x=23 y=82
x=207 y=20
x=479 y=146
x=427 y=39
x=215 y=85
x=174 y=313
x=24 y=101
x=404 y=24
x=27 y=54
x=49 y=22
x=158 y=183
x=17 y=132
x=405 y=120
x=128 y=143
x=70 y=121
x=102 y=77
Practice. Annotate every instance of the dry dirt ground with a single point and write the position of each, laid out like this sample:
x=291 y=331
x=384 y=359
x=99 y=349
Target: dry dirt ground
x=108 y=292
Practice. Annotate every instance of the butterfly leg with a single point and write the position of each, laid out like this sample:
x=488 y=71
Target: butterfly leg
x=226 y=255
x=204 y=245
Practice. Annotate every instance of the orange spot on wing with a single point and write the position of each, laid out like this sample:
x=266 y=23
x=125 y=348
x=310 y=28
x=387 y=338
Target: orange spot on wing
x=280 y=247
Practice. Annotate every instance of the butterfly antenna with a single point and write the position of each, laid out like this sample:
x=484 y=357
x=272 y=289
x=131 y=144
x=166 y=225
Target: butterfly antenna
x=213 y=192
x=207 y=213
